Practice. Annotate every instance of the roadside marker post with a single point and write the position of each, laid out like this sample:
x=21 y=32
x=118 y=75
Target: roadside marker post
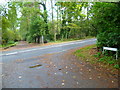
x=111 y=49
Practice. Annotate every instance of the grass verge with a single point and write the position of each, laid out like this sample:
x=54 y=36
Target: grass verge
x=8 y=45
x=92 y=55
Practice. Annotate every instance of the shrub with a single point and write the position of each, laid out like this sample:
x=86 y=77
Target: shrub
x=11 y=42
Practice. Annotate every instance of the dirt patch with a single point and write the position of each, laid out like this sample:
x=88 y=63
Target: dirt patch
x=108 y=69
x=25 y=45
x=99 y=70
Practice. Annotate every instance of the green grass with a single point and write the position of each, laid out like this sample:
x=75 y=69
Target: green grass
x=83 y=51
x=0 y=46
x=8 y=45
x=97 y=57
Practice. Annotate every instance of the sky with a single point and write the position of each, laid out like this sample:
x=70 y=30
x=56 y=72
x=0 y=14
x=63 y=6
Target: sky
x=3 y=2
x=48 y=6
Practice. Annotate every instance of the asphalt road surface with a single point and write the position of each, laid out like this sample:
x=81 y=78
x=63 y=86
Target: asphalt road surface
x=46 y=67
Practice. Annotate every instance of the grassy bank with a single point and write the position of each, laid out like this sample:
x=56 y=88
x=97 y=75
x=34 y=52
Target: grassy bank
x=92 y=55
x=8 y=45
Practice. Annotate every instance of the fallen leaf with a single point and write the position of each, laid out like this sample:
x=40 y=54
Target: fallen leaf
x=66 y=67
x=63 y=84
x=54 y=65
x=74 y=76
x=98 y=76
x=63 y=80
x=50 y=62
x=20 y=77
x=87 y=60
x=112 y=81
x=77 y=83
x=48 y=74
x=60 y=69
x=90 y=78
x=47 y=66
x=89 y=70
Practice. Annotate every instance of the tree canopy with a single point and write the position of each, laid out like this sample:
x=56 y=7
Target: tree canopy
x=66 y=20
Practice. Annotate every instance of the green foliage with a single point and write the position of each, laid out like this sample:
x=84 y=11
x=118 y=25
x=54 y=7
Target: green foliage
x=30 y=39
x=109 y=60
x=11 y=42
x=12 y=15
x=117 y=66
x=74 y=23
x=33 y=22
x=98 y=54
x=37 y=27
x=9 y=24
x=84 y=54
x=106 y=21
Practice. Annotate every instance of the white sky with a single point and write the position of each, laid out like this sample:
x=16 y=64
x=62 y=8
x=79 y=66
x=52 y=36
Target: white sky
x=48 y=6
x=2 y=2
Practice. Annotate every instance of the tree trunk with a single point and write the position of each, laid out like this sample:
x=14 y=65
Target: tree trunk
x=35 y=39
x=45 y=17
x=42 y=39
x=55 y=36
x=38 y=39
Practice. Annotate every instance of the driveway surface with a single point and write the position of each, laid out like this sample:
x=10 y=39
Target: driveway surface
x=50 y=66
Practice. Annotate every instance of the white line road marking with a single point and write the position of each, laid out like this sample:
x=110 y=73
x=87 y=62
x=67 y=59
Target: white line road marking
x=11 y=53
x=64 y=44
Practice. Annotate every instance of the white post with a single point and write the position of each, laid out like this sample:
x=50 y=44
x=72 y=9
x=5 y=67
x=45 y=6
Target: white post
x=103 y=50
x=116 y=55
x=42 y=39
x=112 y=49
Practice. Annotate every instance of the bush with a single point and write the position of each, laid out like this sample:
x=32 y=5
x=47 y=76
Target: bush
x=106 y=21
x=30 y=39
x=11 y=42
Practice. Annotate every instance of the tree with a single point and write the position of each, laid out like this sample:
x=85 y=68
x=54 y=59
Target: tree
x=12 y=15
x=5 y=26
x=106 y=21
x=71 y=13
x=37 y=28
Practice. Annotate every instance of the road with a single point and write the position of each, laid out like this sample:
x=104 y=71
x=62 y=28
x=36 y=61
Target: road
x=46 y=67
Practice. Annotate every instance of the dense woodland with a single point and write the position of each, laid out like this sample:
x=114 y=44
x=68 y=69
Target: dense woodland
x=65 y=20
